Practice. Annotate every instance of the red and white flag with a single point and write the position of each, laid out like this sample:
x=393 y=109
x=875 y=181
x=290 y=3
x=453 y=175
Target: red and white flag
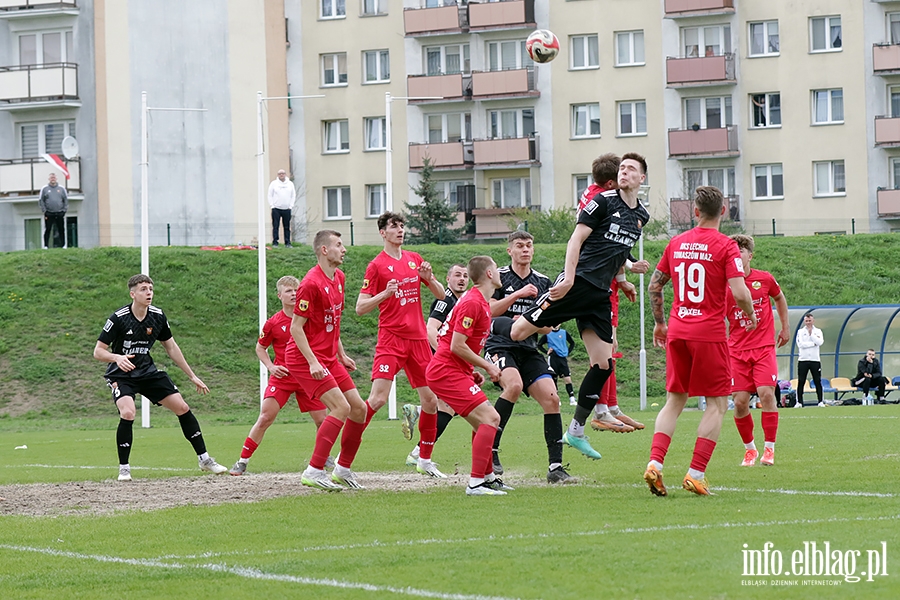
x=57 y=162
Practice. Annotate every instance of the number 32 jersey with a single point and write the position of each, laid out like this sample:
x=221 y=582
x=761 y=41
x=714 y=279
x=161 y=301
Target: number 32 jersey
x=700 y=262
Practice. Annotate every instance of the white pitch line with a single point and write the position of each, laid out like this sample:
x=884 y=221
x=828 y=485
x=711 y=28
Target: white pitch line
x=251 y=573
x=792 y=416
x=113 y=468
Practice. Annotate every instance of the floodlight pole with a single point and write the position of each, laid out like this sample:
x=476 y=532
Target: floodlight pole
x=643 y=352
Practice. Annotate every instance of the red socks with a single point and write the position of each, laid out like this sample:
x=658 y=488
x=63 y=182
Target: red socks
x=351 y=438
x=703 y=451
x=369 y=414
x=481 y=450
x=745 y=427
x=249 y=448
x=427 y=434
x=608 y=396
x=659 y=447
x=326 y=436
x=770 y=425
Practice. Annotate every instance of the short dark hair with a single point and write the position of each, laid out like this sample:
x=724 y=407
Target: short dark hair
x=605 y=168
x=808 y=314
x=744 y=241
x=323 y=238
x=709 y=201
x=478 y=266
x=519 y=235
x=388 y=217
x=637 y=157
x=456 y=266
x=137 y=280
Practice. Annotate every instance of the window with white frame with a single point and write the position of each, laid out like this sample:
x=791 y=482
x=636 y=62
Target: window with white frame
x=830 y=180
x=376 y=66
x=714 y=40
x=511 y=123
x=374 y=7
x=511 y=193
x=509 y=54
x=895 y=173
x=718 y=177
x=333 y=9
x=448 y=127
x=828 y=106
x=447 y=60
x=586 y=120
x=579 y=184
x=585 y=51
x=894 y=100
x=450 y=190
x=632 y=117
x=893 y=25
x=337 y=136
x=337 y=202
x=764 y=39
x=629 y=48
x=768 y=182
x=37 y=139
x=375 y=132
x=765 y=110
x=708 y=113
x=436 y=3
x=334 y=69
x=45 y=47
x=376 y=200
x=825 y=34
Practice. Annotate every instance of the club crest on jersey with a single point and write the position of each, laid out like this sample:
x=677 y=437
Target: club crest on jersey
x=756 y=285
x=340 y=289
x=467 y=322
x=262 y=334
x=365 y=283
x=412 y=265
x=590 y=207
x=149 y=331
x=304 y=304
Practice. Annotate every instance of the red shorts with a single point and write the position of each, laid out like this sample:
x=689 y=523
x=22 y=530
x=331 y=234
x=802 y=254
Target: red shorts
x=754 y=368
x=393 y=353
x=698 y=368
x=457 y=389
x=336 y=376
x=281 y=389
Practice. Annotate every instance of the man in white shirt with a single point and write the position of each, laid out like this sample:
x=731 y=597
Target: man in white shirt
x=281 y=198
x=809 y=338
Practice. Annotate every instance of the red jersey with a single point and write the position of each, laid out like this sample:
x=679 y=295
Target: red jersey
x=471 y=316
x=700 y=262
x=276 y=333
x=591 y=191
x=614 y=301
x=762 y=286
x=401 y=315
x=321 y=301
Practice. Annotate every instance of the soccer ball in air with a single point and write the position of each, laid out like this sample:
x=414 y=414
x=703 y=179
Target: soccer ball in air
x=542 y=46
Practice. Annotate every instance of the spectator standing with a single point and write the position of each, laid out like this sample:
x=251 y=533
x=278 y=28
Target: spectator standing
x=282 y=195
x=809 y=338
x=54 y=203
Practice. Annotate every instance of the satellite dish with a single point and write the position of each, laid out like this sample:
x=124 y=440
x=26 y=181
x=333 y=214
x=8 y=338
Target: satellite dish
x=69 y=147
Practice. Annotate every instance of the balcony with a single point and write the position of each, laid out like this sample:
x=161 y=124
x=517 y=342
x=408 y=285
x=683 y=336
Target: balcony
x=676 y=9
x=703 y=143
x=886 y=59
x=700 y=71
x=887 y=132
x=28 y=86
x=14 y=9
x=513 y=83
x=449 y=87
x=26 y=176
x=494 y=223
x=443 y=155
x=888 y=203
x=681 y=212
x=434 y=21
x=512 y=152
x=506 y=14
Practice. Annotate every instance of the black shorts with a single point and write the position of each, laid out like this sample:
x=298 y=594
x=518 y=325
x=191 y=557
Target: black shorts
x=560 y=365
x=155 y=387
x=530 y=364
x=585 y=302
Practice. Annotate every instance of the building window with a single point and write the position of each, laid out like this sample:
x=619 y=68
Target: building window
x=512 y=123
x=830 y=180
x=337 y=136
x=36 y=139
x=764 y=39
x=579 y=184
x=585 y=51
x=447 y=60
x=337 y=203
x=708 y=113
x=374 y=7
x=334 y=9
x=511 y=193
x=377 y=65
x=714 y=40
x=45 y=48
x=721 y=178
x=506 y=55
x=768 y=182
x=765 y=110
x=632 y=118
x=376 y=134
x=893 y=23
x=448 y=127
x=828 y=106
x=629 y=48
x=376 y=200
x=894 y=99
x=825 y=34
x=895 y=173
x=450 y=191
x=436 y=3
x=334 y=69
x=586 y=120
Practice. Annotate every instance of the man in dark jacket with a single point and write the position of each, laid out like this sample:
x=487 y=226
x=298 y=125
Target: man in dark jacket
x=868 y=375
x=54 y=202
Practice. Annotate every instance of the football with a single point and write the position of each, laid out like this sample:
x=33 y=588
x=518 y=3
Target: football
x=542 y=46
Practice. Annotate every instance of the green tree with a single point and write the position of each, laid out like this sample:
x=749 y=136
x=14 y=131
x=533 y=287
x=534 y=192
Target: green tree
x=554 y=226
x=430 y=221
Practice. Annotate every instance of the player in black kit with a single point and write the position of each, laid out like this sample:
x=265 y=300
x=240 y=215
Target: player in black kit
x=522 y=366
x=125 y=343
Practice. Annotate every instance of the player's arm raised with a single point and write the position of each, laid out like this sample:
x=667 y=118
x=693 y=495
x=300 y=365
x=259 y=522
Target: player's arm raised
x=366 y=303
x=573 y=250
x=174 y=352
x=499 y=307
x=427 y=277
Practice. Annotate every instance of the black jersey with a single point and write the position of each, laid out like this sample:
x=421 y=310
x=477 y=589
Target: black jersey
x=615 y=229
x=441 y=307
x=512 y=283
x=125 y=334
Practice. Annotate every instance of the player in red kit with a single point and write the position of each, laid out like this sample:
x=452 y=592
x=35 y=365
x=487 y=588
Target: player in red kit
x=392 y=283
x=452 y=376
x=315 y=357
x=276 y=333
x=753 y=364
x=701 y=263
